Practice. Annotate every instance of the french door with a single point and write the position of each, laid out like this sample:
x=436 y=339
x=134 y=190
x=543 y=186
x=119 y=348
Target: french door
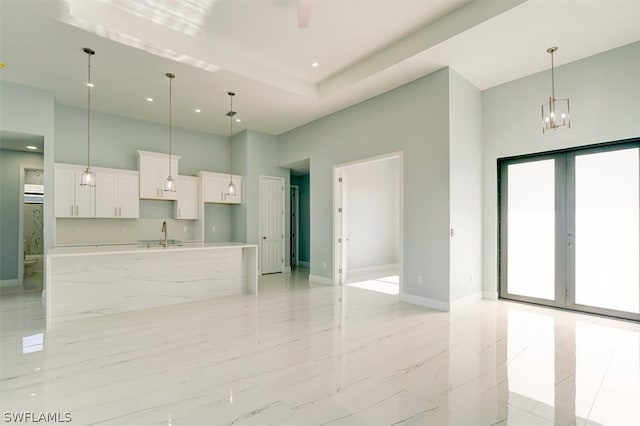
x=570 y=229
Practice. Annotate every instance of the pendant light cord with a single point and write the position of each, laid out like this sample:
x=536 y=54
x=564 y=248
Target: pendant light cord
x=553 y=81
x=89 y=53
x=170 y=104
x=231 y=95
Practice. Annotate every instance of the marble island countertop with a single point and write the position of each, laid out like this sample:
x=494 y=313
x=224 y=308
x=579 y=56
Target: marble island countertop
x=138 y=247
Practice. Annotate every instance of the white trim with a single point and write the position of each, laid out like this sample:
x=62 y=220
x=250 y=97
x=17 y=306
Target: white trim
x=287 y=270
x=374 y=269
x=303 y=263
x=465 y=301
x=425 y=302
x=296 y=189
x=490 y=295
x=321 y=280
x=9 y=283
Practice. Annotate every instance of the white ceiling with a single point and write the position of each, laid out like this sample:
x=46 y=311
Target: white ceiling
x=254 y=47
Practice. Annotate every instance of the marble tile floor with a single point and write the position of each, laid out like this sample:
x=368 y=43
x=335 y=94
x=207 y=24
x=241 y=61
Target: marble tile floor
x=306 y=354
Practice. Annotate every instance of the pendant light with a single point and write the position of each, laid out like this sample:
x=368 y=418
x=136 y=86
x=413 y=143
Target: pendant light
x=88 y=177
x=170 y=183
x=231 y=189
x=555 y=113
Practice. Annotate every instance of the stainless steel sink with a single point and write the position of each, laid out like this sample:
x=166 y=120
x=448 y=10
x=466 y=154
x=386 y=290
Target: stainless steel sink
x=156 y=243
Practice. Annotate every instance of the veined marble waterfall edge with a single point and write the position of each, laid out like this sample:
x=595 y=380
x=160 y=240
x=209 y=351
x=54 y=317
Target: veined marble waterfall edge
x=93 y=285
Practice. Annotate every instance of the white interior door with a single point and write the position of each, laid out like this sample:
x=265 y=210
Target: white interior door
x=271 y=224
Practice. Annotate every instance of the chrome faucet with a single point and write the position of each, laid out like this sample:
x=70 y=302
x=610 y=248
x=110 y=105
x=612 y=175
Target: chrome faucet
x=163 y=242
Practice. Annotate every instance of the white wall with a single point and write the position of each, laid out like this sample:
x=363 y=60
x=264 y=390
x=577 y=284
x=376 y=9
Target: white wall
x=465 y=174
x=373 y=213
x=604 y=91
x=414 y=119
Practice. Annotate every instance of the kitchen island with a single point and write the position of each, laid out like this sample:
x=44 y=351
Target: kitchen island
x=92 y=281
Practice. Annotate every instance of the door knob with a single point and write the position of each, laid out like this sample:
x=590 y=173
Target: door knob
x=264 y=238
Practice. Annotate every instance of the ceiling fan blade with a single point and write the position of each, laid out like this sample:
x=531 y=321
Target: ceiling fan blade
x=304 y=12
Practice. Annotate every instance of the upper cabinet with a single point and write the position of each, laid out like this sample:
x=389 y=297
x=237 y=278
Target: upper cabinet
x=71 y=198
x=186 y=207
x=154 y=169
x=214 y=188
x=117 y=194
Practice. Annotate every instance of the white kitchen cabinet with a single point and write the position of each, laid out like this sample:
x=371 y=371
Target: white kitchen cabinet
x=117 y=194
x=186 y=206
x=154 y=169
x=71 y=198
x=215 y=188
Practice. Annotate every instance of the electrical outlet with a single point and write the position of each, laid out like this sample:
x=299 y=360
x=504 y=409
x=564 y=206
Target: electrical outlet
x=184 y=229
x=324 y=265
x=213 y=228
x=419 y=280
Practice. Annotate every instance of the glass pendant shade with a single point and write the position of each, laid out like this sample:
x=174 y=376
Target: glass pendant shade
x=170 y=184
x=88 y=178
x=231 y=189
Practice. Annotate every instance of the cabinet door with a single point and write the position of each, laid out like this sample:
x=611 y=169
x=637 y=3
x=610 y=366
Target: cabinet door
x=149 y=170
x=187 y=203
x=128 y=197
x=106 y=195
x=214 y=187
x=64 y=200
x=85 y=198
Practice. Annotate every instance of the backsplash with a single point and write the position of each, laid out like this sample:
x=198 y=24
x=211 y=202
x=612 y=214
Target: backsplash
x=120 y=231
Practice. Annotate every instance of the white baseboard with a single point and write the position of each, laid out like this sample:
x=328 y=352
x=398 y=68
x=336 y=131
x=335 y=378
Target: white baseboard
x=302 y=263
x=490 y=295
x=372 y=271
x=466 y=300
x=320 y=280
x=425 y=302
x=9 y=283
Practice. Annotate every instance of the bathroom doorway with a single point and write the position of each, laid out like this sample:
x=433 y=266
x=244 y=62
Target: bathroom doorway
x=30 y=228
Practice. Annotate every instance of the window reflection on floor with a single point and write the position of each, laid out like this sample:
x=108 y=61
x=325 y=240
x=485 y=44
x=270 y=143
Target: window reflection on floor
x=387 y=285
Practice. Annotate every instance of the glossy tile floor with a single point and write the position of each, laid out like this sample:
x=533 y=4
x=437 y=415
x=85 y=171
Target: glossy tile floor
x=301 y=354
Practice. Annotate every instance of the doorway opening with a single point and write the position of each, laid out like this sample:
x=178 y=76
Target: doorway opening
x=570 y=229
x=368 y=224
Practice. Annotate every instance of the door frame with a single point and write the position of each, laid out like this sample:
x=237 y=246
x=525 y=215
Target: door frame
x=296 y=239
x=565 y=261
x=339 y=199
x=282 y=216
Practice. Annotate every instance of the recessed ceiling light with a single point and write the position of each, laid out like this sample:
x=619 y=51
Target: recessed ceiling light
x=91 y=85
x=149 y=99
x=31 y=147
x=315 y=64
x=238 y=120
x=198 y=110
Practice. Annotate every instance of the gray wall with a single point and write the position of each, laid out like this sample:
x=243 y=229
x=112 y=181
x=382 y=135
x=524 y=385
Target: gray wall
x=28 y=110
x=303 y=216
x=604 y=91
x=413 y=119
x=465 y=173
x=373 y=213
x=10 y=162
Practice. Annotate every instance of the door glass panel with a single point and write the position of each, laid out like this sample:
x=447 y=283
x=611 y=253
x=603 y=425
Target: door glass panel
x=531 y=229
x=607 y=235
